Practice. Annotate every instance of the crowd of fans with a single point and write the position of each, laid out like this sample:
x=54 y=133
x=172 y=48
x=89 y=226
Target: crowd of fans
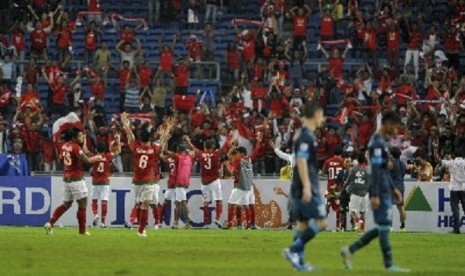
x=404 y=56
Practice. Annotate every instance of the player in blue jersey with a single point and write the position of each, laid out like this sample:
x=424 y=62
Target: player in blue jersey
x=306 y=198
x=381 y=190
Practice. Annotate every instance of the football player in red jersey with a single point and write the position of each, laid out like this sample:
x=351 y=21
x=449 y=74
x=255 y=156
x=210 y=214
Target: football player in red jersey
x=101 y=180
x=210 y=165
x=170 y=192
x=332 y=167
x=75 y=187
x=144 y=155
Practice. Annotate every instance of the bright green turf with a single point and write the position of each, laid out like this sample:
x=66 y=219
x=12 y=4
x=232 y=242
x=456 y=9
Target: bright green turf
x=210 y=252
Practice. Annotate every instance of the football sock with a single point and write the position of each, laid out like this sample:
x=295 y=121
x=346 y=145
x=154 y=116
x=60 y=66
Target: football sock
x=231 y=211
x=81 y=217
x=385 y=245
x=59 y=211
x=206 y=219
x=238 y=216
x=177 y=212
x=163 y=210
x=155 y=214
x=219 y=210
x=363 y=226
x=305 y=237
x=104 y=206
x=297 y=234
x=364 y=240
x=247 y=217
x=338 y=219
x=185 y=212
x=134 y=215
x=402 y=225
x=95 y=207
x=252 y=214
x=143 y=218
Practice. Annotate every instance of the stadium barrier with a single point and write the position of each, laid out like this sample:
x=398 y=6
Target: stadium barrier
x=29 y=201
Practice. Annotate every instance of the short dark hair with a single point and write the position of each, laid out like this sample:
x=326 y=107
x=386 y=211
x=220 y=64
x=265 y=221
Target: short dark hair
x=71 y=134
x=311 y=108
x=209 y=144
x=145 y=134
x=101 y=147
x=391 y=117
x=395 y=152
x=242 y=150
x=338 y=150
x=361 y=158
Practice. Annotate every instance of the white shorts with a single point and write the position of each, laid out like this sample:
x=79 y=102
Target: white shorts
x=358 y=204
x=252 y=197
x=180 y=194
x=156 y=191
x=101 y=192
x=143 y=192
x=212 y=191
x=170 y=194
x=240 y=197
x=75 y=190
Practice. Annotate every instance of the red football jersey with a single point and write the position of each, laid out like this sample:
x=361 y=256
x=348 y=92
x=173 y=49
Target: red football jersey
x=73 y=167
x=334 y=165
x=143 y=157
x=171 y=162
x=101 y=170
x=210 y=166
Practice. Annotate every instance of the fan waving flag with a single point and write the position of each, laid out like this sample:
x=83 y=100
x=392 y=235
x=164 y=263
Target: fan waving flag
x=64 y=123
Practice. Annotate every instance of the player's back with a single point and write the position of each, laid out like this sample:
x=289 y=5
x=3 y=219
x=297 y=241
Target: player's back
x=73 y=166
x=358 y=181
x=171 y=162
x=101 y=170
x=334 y=166
x=380 y=180
x=143 y=156
x=305 y=147
x=210 y=166
x=184 y=162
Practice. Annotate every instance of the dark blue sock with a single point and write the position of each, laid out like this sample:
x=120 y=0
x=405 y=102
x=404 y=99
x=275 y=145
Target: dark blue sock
x=385 y=245
x=306 y=236
x=364 y=240
x=297 y=234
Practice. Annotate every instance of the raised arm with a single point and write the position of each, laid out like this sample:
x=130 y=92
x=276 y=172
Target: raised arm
x=127 y=127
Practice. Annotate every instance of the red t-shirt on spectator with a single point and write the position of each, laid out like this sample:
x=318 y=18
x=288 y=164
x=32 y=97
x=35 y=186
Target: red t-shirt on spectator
x=404 y=90
x=94 y=6
x=232 y=59
x=194 y=48
x=127 y=36
x=18 y=39
x=393 y=39
x=327 y=26
x=90 y=40
x=181 y=74
x=38 y=40
x=248 y=53
x=32 y=141
x=124 y=77
x=59 y=92
x=166 y=60
x=414 y=40
x=98 y=90
x=145 y=75
x=369 y=37
x=335 y=67
x=300 y=25
x=64 y=38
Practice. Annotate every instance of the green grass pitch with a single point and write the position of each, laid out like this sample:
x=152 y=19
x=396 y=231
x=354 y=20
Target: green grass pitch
x=28 y=251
